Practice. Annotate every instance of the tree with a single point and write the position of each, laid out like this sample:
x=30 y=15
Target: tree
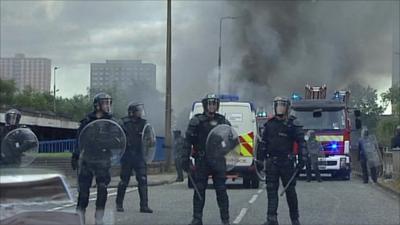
x=366 y=100
x=7 y=91
x=386 y=126
x=393 y=96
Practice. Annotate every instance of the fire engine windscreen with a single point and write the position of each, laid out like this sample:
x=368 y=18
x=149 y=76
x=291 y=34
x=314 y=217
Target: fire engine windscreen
x=328 y=120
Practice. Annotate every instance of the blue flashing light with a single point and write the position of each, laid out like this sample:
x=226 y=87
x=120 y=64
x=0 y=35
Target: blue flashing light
x=224 y=97
x=296 y=97
x=334 y=146
x=336 y=96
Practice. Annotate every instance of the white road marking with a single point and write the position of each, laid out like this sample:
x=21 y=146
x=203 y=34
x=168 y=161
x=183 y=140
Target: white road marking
x=253 y=199
x=90 y=199
x=240 y=216
x=259 y=191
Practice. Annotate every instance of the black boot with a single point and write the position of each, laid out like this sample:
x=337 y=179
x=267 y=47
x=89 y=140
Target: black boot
x=143 y=195
x=120 y=197
x=225 y=222
x=98 y=216
x=196 y=221
x=272 y=220
x=81 y=213
x=295 y=222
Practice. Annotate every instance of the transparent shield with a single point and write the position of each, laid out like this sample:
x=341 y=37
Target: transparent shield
x=148 y=143
x=259 y=162
x=102 y=141
x=19 y=148
x=374 y=158
x=223 y=142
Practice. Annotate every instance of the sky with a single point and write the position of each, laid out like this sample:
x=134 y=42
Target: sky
x=272 y=48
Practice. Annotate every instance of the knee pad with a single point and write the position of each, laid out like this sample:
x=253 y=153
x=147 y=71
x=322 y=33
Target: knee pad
x=123 y=184
x=102 y=187
x=142 y=180
x=272 y=186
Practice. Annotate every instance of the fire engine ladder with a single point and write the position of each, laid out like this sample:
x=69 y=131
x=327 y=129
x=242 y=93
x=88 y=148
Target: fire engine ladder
x=315 y=92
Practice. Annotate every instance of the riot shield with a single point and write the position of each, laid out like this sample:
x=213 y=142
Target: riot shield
x=19 y=147
x=259 y=162
x=148 y=143
x=223 y=145
x=371 y=148
x=102 y=141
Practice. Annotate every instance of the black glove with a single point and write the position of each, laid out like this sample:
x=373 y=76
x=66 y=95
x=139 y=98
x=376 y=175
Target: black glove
x=186 y=164
x=74 y=161
x=301 y=162
x=259 y=164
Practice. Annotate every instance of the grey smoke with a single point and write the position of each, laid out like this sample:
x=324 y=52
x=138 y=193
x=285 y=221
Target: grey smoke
x=286 y=44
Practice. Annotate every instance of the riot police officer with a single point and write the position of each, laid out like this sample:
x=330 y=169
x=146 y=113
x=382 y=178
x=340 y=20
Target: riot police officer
x=279 y=135
x=314 y=148
x=196 y=134
x=102 y=103
x=133 y=158
x=11 y=118
x=368 y=148
x=395 y=143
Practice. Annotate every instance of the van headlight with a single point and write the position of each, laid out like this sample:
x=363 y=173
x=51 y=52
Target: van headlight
x=342 y=162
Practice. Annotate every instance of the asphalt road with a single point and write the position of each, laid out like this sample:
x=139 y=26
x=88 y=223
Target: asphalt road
x=329 y=202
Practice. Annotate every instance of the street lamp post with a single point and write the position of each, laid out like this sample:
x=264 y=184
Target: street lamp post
x=220 y=48
x=54 y=89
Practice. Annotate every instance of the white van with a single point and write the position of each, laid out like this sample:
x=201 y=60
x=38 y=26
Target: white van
x=242 y=116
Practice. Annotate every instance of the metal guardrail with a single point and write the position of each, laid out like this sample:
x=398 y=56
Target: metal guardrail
x=57 y=146
x=391 y=163
x=67 y=145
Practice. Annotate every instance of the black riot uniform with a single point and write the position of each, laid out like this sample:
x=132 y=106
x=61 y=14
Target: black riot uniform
x=133 y=159
x=395 y=143
x=280 y=134
x=12 y=158
x=100 y=169
x=199 y=128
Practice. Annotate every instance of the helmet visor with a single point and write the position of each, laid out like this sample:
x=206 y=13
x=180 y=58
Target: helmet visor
x=11 y=119
x=212 y=105
x=105 y=105
x=281 y=107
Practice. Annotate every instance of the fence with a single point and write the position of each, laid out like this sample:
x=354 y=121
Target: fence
x=57 y=146
x=390 y=163
x=68 y=145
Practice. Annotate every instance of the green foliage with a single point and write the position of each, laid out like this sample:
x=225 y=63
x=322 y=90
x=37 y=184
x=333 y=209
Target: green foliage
x=75 y=108
x=366 y=100
x=7 y=91
x=385 y=129
x=393 y=96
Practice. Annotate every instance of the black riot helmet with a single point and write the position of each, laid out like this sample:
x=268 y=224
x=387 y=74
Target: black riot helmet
x=102 y=102
x=136 y=109
x=281 y=106
x=12 y=117
x=210 y=100
x=364 y=132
